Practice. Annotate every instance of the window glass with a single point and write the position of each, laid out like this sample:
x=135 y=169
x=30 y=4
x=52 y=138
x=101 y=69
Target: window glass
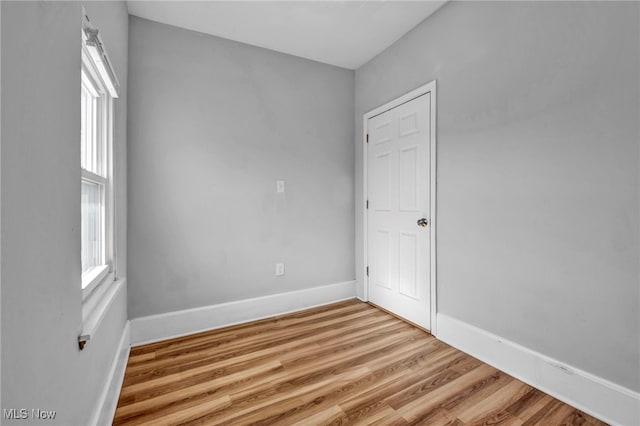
x=91 y=244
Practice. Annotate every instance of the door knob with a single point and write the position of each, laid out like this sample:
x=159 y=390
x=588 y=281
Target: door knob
x=423 y=222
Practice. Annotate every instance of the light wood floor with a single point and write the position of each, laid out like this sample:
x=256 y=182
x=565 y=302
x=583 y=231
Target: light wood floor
x=347 y=363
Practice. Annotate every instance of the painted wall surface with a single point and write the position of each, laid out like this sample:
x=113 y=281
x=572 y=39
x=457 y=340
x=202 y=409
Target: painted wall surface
x=0 y=203
x=212 y=125
x=538 y=134
x=42 y=367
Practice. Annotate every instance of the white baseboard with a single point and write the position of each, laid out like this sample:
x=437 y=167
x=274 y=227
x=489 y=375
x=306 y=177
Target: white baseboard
x=155 y=328
x=594 y=395
x=108 y=401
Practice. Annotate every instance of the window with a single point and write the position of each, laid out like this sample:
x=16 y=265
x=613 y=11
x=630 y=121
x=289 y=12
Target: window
x=96 y=202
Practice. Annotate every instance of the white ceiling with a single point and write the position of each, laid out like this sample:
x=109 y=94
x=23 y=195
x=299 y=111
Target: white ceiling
x=342 y=33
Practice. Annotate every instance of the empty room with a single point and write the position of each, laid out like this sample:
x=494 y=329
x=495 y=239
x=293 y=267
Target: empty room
x=320 y=213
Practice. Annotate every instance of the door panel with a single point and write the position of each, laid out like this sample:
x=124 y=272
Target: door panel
x=382 y=259
x=399 y=195
x=408 y=179
x=382 y=185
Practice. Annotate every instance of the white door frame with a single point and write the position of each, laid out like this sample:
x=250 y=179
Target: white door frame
x=427 y=88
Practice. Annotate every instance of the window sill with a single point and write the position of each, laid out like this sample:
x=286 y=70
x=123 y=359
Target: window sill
x=96 y=305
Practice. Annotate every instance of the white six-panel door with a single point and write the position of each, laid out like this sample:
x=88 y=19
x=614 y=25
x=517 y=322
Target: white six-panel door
x=398 y=193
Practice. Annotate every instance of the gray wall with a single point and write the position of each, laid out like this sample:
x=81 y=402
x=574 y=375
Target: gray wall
x=42 y=366
x=537 y=115
x=0 y=207
x=212 y=125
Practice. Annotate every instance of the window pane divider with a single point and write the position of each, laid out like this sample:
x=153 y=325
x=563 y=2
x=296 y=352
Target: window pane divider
x=93 y=177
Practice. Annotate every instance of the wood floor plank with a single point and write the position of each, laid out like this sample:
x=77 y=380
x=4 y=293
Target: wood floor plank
x=265 y=333
x=259 y=412
x=183 y=416
x=552 y=414
x=577 y=417
x=494 y=407
x=427 y=396
x=437 y=417
x=530 y=404
x=253 y=325
x=382 y=416
x=228 y=365
x=323 y=417
x=463 y=404
x=248 y=331
x=150 y=404
x=156 y=366
x=386 y=376
x=346 y=363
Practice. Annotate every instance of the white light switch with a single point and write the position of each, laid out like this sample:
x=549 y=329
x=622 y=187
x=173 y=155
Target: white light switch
x=279 y=186
x=279 y=269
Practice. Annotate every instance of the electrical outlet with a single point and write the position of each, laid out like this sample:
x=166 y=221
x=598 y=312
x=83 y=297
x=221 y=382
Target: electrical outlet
x=279 y=186
x=279 y=269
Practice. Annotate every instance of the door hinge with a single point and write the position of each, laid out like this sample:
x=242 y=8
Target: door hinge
x=367 y=271
x=367 y=204
x=367 y=140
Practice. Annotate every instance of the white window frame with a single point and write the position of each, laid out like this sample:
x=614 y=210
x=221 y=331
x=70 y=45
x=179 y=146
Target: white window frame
x=104 y=121
x=102 y=284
